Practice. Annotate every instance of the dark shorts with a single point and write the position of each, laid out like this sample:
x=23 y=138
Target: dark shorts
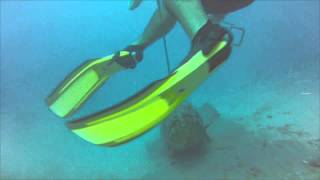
x=224 y=6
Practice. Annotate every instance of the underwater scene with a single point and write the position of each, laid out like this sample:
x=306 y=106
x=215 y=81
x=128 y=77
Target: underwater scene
x=160 y=89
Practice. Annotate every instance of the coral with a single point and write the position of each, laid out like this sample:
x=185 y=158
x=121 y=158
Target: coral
x=184 y=131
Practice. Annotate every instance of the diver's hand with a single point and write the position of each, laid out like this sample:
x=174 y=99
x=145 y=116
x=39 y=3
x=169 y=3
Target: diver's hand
x=134 y=4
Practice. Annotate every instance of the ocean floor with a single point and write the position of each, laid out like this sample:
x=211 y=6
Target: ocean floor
x=266 y=131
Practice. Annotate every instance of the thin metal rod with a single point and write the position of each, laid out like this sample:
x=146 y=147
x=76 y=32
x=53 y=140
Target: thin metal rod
x=164 y=40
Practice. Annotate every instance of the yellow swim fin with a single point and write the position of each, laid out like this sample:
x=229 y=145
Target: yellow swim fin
x=76 y=88
x=137 y=115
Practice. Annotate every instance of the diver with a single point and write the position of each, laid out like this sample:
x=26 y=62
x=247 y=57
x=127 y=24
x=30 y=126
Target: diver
x=199 y=18
x=210 y=47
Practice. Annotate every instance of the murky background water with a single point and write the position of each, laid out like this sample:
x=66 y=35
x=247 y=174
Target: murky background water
x=267 y=93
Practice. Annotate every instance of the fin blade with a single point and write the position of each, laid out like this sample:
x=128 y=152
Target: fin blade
x=76 y=88
x=115 y=126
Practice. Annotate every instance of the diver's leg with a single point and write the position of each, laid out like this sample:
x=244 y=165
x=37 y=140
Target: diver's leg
x=204 y=34
x=189 y=13
x=161 y=22
x=216 y=18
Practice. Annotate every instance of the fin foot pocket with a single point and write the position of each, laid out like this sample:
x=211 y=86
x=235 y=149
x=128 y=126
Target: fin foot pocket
x=208 y=36
x=135 y=55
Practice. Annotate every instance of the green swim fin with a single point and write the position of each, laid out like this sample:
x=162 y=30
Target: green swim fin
x=140 y=113
x=76 y=88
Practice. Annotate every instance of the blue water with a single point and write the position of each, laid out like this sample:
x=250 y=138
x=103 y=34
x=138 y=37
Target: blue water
x=275 y=73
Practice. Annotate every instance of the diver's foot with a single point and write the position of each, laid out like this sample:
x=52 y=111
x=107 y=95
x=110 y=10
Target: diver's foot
x=129 y=57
